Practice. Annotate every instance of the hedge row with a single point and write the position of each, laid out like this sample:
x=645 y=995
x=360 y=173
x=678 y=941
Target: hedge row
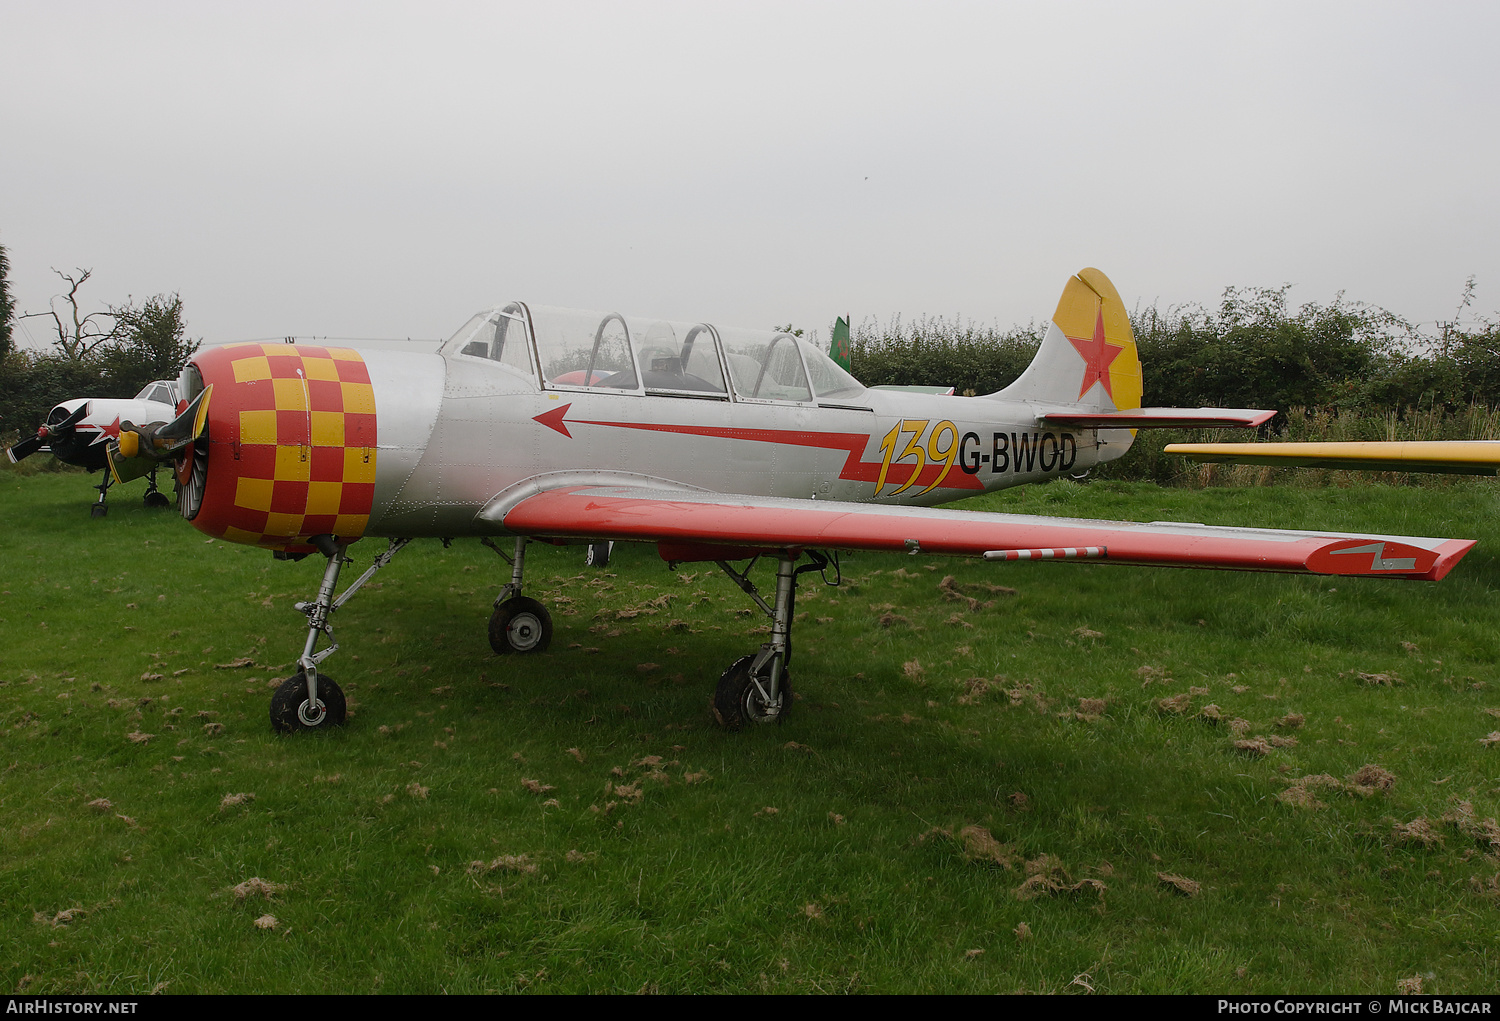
x=1253 y=351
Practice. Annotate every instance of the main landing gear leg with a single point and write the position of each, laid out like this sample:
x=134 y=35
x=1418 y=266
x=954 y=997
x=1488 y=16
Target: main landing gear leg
x=100 y=508
x=758 y=688
x=309 y=699
x=518 y=624
x=154 y=497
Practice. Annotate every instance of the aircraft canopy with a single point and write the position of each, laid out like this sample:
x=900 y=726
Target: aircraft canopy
x=574 y=349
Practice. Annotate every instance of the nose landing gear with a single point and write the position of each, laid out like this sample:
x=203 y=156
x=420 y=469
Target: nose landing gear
x=309 y=700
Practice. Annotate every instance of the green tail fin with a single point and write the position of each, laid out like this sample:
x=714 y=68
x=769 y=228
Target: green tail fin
x=839 y=349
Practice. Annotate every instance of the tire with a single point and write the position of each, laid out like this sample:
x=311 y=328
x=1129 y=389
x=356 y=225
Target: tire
x=520 y=625
x=737 y=701
x=597 y=554
x=292 y=696
x=157 y=499
x=99 y=510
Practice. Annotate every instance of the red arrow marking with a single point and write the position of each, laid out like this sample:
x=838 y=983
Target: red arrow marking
x=852 y=444
x=554 y=420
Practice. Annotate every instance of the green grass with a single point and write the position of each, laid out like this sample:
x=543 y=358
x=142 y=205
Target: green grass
x=695 y=886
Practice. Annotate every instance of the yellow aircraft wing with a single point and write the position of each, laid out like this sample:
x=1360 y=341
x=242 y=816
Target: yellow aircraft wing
x=1456 y=457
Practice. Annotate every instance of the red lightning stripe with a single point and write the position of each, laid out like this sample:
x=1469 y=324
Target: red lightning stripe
x=853 y=444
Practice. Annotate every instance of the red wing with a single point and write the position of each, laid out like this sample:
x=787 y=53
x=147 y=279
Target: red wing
x=695 y=525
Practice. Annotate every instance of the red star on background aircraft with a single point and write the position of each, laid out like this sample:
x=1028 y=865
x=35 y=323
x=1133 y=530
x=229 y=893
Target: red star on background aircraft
x=76 y=430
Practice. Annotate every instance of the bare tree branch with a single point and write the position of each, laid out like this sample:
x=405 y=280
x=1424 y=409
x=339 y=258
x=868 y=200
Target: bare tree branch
x=76 y=339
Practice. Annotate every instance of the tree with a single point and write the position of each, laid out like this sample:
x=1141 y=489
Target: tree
x=151 y=342
x=77 y=334
x=7 y=304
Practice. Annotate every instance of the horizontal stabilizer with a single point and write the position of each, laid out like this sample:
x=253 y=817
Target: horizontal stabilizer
x=1455 y=457
x=1160 y=418
x=680 y=520
x=941 y=391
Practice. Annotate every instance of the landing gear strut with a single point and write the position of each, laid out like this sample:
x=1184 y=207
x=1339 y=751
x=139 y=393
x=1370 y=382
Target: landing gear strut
x=758 y=688
x=100 y=508
x=518 y=624
x=309 y=700
x=755 y=689
x=154 y=497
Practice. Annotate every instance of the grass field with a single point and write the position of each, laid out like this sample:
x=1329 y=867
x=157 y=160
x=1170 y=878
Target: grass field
x=976 y=791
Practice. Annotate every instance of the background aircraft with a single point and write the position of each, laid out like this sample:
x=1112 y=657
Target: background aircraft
x=78 y=431
x=1450 y=457
x=717 y=444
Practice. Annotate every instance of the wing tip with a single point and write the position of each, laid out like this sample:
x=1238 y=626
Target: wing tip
x=1449 y=554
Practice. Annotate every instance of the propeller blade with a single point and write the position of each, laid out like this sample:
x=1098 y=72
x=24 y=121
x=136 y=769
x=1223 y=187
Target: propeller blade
x=140 y=448
x=25 y=448
x=72 y=420
x=189 y=424
x=44 y=435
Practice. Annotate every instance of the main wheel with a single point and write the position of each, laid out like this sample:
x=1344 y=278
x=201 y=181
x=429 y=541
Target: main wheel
x=737 y=701
x=156 y=499
x=291 y=711
x=597 y=554
x=98 y=510
x=520 y=625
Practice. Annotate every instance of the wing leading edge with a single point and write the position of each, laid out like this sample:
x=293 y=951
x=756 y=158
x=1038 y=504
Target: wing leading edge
x=1457 y=457
x=704 y=526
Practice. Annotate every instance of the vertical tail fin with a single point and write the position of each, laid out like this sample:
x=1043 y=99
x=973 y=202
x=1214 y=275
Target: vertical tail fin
x=839 y=348
x=1088 y=357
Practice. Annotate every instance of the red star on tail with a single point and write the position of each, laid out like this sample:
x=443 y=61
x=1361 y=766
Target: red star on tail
x=1098 y=355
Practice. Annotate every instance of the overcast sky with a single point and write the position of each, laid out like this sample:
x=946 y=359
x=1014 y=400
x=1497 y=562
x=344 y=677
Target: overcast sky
x=386 y=169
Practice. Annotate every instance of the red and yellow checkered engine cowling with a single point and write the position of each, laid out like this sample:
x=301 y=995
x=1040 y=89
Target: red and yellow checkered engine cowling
x=291 y=434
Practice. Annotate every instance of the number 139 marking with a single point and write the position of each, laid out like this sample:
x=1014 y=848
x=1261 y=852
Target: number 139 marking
x=934 y=452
